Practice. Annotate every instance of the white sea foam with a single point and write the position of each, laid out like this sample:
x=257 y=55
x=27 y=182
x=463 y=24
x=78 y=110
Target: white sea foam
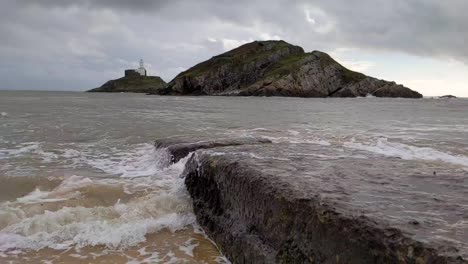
x=278 y=136
x=66 y=190
x=151 y=257
x=37 y=196
x=294 y=132
x=28 y=148
x=316 y=141
x=3 y=114
x=117 y=226
x=72 y=183
x=188 y=247
x=299 y=140
x=70 y=153
x=20 y=150
x=407 y=152
x=144 y=160
x=46 y=156
x=82 y=227
x=222 y=260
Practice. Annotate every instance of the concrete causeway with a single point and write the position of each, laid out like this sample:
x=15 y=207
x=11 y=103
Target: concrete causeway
x=305 y=203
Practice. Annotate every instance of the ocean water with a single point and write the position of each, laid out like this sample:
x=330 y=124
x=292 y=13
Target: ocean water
x=80 y=179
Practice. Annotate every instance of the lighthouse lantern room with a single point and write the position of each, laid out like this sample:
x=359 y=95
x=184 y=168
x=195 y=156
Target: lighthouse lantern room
x=141 y=70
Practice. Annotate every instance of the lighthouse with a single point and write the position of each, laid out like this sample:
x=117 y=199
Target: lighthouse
x=141 y=70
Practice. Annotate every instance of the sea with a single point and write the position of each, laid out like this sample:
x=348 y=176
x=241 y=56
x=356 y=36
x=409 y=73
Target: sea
x=82 y=182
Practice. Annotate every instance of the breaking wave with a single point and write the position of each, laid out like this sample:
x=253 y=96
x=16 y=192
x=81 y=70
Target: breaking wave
x=143 y=160
x=144 y=196
x=407 y=152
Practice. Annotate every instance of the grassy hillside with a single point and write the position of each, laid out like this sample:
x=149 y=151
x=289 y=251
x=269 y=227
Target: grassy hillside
x=140 y=84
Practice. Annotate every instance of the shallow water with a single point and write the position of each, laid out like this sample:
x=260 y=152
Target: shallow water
x=80 y=179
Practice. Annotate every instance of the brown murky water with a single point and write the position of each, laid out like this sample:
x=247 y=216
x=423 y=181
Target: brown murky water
x=80 y=180
x=163 y=247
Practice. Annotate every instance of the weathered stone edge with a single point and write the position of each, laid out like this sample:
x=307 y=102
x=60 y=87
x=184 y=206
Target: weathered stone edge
x=179 y=149
x=255 y=222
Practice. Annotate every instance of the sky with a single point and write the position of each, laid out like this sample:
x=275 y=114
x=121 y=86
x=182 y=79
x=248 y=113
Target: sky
x=78 y=45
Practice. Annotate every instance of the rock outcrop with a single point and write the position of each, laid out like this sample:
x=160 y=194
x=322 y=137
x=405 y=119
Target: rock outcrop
x=448 y=96
x=132 y=84
x=277 y=68
x=302 y=203
x=179 y=149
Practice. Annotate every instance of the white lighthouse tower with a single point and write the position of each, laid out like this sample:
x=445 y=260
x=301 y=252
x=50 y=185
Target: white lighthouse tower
x=141 y=70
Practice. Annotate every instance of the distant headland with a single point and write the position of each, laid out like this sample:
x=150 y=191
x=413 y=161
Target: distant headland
x=266 y=68
x=448 y=96
x=134 y=81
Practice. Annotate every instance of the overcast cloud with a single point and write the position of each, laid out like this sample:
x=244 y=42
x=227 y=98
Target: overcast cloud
x=77 y=45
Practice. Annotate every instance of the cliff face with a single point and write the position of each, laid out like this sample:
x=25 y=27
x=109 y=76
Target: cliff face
x=132 y=84
x=277 y=68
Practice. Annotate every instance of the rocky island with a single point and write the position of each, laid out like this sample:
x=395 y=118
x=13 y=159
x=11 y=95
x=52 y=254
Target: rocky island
x=277 y=68
x=139 y=84
x=134 y=81
x=448 y=96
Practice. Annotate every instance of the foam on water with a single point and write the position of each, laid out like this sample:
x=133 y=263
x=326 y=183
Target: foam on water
x=188 y=247
x=393 y=149
x=21 y=149
x=68 y=189
x=32 y=149
x=37 y=196
x=35 y=221
x=139 y=161
x=142 y=160
x=278 y=136
x=82 y=227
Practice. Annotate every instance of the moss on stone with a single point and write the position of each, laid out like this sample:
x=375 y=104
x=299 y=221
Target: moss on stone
x=243 y=55
x=252 y=52
x=287 y=65
x=349 y=76
x=325 y=59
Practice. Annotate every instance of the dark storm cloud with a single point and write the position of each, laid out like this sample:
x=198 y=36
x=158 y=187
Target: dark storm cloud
x=424 y=27
x=86 y=42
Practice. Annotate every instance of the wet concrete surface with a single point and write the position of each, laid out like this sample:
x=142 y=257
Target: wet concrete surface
x=306 y=203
